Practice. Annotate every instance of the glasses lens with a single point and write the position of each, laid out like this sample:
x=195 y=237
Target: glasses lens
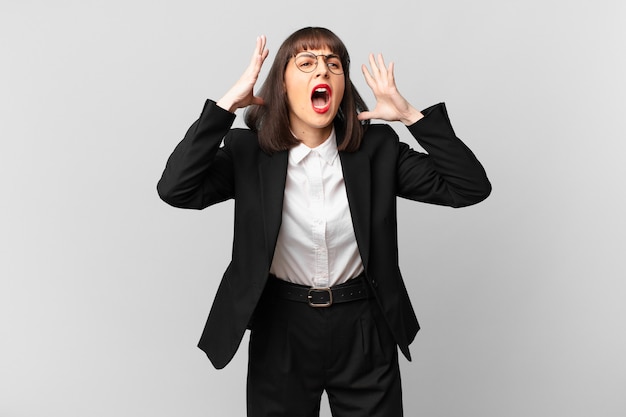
x=334 y=64
x=306 y=62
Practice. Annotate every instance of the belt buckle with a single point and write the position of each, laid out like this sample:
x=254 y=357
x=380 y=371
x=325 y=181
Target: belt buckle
x=326 y=304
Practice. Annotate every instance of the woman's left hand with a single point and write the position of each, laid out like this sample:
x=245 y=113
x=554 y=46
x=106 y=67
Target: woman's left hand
x=390 y=105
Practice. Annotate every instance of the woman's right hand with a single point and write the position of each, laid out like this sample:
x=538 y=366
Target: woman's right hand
x=241 y=94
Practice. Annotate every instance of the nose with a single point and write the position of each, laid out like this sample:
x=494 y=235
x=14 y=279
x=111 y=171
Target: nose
x=322 y=67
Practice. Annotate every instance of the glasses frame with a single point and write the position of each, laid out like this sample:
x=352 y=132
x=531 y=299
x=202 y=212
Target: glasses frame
x=313 y=68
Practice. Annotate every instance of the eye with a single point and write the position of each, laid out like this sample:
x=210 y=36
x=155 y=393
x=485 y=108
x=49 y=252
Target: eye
x=306 y=61
x=334 y=63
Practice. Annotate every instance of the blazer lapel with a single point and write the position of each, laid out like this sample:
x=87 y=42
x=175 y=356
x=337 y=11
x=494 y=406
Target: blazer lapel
x=272 y=174
x=356 y=175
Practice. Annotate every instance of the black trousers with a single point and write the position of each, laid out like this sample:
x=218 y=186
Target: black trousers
x=297 y=351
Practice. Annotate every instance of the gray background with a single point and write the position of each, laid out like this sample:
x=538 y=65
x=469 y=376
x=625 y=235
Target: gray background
x=105 y=289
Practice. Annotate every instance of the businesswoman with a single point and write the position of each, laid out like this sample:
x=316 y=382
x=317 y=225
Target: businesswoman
x=314 y=271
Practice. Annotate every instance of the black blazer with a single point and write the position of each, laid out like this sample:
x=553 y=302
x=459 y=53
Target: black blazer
x=200 y=173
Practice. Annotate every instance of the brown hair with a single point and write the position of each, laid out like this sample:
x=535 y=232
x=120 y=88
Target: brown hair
x=271 y=121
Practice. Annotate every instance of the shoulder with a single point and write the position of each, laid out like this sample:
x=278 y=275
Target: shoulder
x=241 y=140
x=378 y=137
x=380 y=132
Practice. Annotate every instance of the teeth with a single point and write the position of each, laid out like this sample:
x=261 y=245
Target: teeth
x=320 y=90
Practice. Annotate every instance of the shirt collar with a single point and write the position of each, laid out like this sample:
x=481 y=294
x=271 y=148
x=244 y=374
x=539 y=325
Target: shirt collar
x=327 y=150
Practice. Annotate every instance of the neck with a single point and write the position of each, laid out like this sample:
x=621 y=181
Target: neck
x=313 y=137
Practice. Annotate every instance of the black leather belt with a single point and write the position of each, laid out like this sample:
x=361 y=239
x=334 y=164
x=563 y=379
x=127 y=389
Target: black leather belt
x=351 y=290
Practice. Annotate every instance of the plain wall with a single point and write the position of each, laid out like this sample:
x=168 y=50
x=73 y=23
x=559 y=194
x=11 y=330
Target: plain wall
x=104 y=289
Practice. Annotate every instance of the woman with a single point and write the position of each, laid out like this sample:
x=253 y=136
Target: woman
x=314 y=271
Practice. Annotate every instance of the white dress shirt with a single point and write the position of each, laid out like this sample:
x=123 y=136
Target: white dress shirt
x=316 y=245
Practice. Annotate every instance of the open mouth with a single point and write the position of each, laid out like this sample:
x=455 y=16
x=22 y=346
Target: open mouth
x=320 y=98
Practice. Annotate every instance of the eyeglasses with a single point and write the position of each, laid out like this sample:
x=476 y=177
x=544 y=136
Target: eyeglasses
x=307 y=62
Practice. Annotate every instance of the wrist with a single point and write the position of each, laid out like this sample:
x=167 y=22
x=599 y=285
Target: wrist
x=227 y=104
x=411 y=117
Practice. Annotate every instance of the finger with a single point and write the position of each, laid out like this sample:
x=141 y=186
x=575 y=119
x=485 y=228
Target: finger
x=368 y=77
x=258 y=56
x=264 y=55
x=255 y=51
x=259 y=50
x=365 y=115
x=381 y=66
x=390 y=71
x=264 y=51
x=375 y=69
x=260 y=45
x=258 y=100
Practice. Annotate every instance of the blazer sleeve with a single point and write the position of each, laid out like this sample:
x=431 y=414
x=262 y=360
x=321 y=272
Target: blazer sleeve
x=199 y=172
x=450 y=174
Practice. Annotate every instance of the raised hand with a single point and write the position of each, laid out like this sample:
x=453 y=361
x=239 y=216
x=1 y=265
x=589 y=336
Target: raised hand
x=390 y=105
x=241 y=94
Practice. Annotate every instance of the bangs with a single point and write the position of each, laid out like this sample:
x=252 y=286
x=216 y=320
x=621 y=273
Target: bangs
x=317 y=43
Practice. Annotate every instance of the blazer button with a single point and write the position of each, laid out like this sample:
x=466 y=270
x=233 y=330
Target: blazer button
x=374 y=283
